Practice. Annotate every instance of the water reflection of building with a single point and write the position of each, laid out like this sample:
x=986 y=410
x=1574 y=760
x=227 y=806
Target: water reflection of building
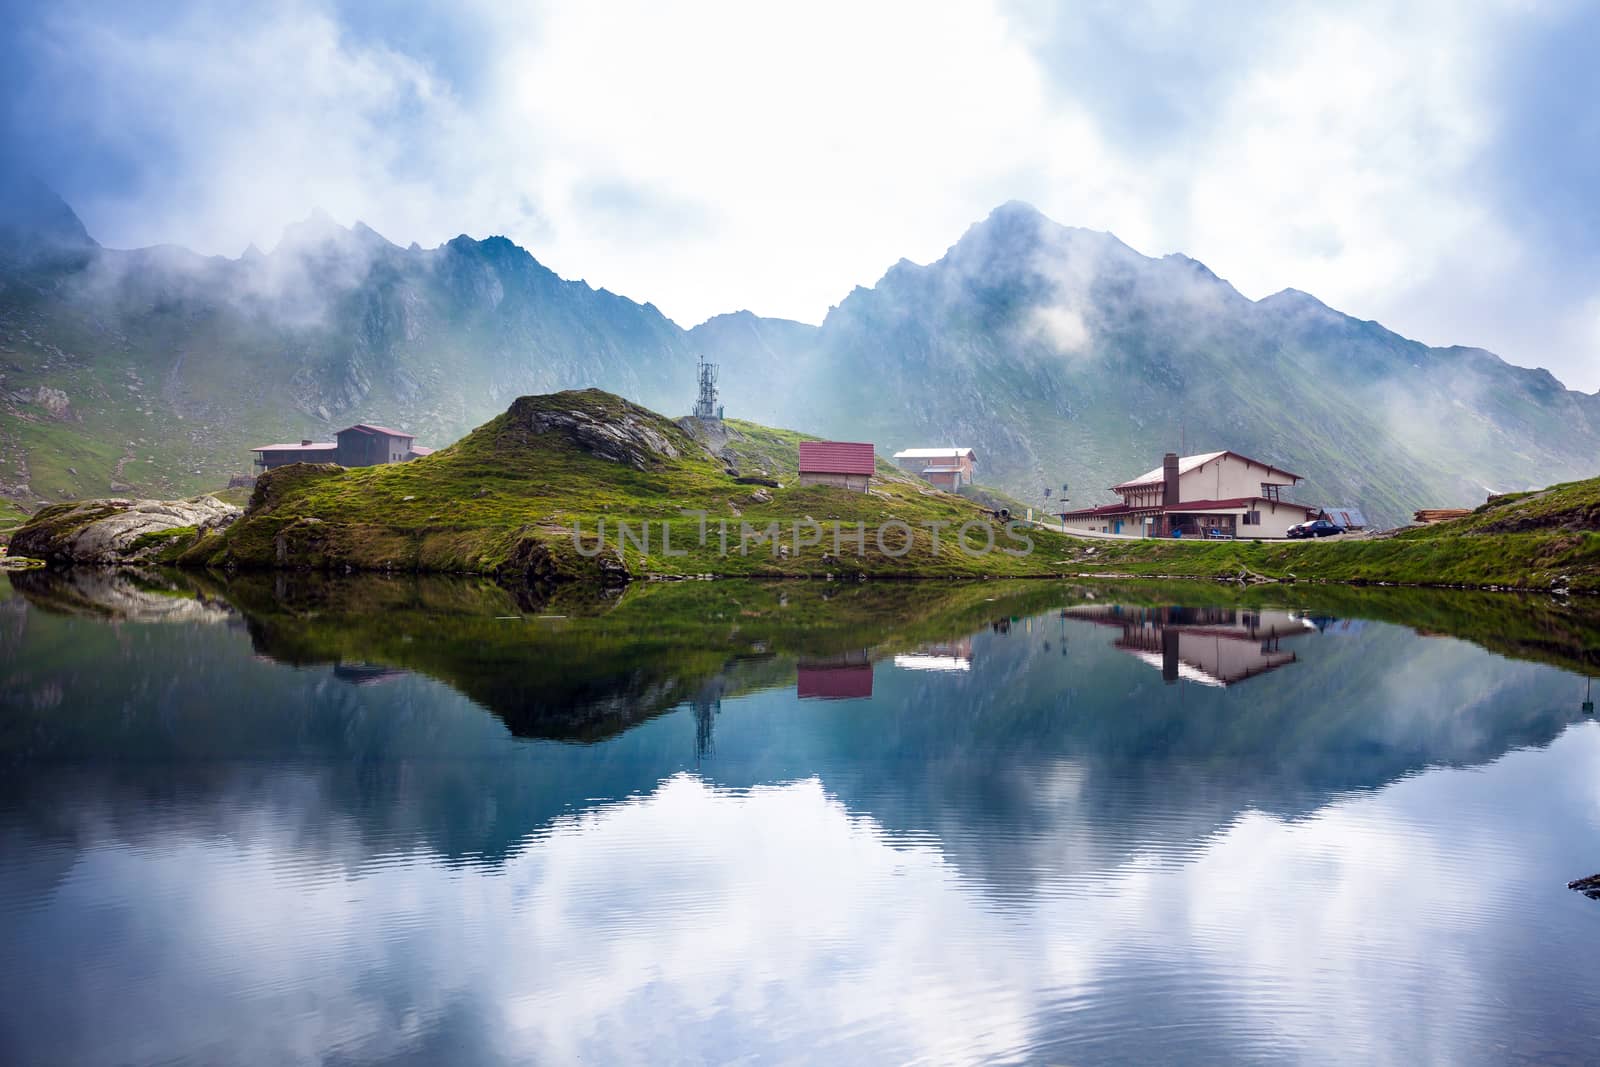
x=846 y=676
x=1210 y=646
x=1327 y=624
x=938 y=656
x=366 y=673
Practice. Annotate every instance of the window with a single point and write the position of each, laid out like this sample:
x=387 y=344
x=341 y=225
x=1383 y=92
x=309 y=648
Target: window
x=1252 y=518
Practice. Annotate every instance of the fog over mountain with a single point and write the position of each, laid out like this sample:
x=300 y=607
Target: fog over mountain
x=1061 y=355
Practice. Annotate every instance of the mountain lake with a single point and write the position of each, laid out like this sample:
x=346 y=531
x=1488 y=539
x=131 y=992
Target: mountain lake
x=290 y=819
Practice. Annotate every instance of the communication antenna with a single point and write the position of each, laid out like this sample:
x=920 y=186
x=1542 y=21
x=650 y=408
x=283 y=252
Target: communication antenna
x=705 y=406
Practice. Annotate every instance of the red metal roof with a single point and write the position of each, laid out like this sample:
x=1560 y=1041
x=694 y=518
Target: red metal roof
x=834 y=683
x=836 y=457
x=367 y=427
x=421 y=450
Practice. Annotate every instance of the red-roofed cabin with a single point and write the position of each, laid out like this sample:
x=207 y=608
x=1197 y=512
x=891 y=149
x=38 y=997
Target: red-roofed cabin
x=848 y=464
x=948 y=468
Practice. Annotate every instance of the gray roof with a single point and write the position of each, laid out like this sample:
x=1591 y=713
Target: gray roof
x=315 y=446
x=953 y=452
x=1346 y=516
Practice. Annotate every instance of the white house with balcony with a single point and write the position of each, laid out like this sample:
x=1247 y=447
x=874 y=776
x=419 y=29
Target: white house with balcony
x=1213 y=494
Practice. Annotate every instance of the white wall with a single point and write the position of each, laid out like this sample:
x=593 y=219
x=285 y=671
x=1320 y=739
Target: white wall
x=1226 y=477
x=1229 y=659
x=1275 y=520
x=1130 y=527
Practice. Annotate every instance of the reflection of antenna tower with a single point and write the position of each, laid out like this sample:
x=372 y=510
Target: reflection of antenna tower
x=705 y=715
x=705 y=407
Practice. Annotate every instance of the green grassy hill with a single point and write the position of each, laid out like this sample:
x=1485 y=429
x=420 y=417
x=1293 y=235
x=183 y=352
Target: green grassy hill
x=506 y=499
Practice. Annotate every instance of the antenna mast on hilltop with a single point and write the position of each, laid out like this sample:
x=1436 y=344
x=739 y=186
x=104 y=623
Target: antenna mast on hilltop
x=705 y=407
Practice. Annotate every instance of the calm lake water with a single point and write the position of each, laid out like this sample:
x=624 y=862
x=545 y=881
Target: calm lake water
x=371 y=821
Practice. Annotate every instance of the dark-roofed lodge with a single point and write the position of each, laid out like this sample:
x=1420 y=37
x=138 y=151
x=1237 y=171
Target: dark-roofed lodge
x=361 y=445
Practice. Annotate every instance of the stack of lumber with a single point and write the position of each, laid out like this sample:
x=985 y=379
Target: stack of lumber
x=1439 y=514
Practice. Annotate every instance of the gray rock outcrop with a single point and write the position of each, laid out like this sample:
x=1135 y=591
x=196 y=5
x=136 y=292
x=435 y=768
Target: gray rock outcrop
x=620 y=432
x=114 y=530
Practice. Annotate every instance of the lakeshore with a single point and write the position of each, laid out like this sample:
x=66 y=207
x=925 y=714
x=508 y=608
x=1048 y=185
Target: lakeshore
x=585 y=486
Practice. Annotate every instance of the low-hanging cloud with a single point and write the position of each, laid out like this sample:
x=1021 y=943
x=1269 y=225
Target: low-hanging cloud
x=726 y=156
x=1061 y=327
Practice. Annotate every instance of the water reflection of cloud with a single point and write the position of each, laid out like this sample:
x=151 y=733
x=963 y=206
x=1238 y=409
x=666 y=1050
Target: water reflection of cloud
x=774 y=923
x=1017 y=859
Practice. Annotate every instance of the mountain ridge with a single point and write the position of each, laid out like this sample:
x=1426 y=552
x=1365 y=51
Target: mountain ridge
x=1064 y=355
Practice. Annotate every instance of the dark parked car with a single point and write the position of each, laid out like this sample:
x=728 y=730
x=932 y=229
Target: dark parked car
x=1315 y=528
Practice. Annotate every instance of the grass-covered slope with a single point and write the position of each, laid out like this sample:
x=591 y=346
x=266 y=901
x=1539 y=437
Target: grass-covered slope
x=505 y=500
x=1548 y=539
x=12 y=515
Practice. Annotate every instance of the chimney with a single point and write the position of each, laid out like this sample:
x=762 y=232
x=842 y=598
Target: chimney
x=305 y=441
x=1169 y=654
x=1169 y=479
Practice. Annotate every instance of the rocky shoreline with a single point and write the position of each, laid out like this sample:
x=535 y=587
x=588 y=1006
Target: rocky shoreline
x=117 y=530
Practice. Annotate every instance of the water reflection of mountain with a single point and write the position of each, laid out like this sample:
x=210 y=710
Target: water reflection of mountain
x=1090 y=753
x=584 y=669
x=1049 y=725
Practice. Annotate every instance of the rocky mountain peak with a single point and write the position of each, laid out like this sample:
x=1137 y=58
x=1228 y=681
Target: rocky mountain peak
x=36 y=224
x=316 y=230
x=1292 y=299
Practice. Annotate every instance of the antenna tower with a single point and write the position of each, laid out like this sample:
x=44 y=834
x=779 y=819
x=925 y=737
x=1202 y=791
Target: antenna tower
x=705 y=406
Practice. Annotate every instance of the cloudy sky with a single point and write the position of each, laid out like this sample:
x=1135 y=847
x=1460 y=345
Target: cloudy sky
x=1430 y=165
